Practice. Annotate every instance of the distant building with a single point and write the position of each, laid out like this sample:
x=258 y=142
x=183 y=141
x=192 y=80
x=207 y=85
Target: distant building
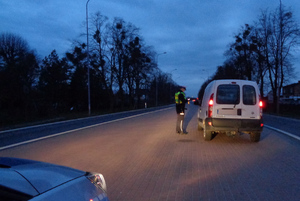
x=291 y=94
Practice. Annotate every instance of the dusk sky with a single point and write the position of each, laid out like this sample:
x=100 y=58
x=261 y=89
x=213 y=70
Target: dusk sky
x=194 y=33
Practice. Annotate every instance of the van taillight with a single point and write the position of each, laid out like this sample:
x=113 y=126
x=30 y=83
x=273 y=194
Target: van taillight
x=261 y=104
x=210 y=105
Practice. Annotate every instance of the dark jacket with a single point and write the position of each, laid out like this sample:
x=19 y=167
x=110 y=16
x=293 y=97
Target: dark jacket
x=180 y=101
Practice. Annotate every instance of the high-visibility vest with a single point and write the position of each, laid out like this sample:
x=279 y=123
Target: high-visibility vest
x=177 y=101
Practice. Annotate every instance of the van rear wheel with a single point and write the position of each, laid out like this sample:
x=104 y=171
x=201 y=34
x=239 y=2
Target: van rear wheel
x=255 y=136
x=207 y=134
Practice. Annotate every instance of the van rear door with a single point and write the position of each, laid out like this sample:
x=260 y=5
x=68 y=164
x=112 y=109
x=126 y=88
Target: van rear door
x=250 y=101
x=228 y=100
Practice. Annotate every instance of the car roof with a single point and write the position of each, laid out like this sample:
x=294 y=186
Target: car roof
x=34 y=177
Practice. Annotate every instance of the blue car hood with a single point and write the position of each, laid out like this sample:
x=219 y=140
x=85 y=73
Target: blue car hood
x=41 y=176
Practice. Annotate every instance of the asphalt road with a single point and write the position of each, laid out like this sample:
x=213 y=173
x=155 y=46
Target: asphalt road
x=32 y=133
x=142 y=158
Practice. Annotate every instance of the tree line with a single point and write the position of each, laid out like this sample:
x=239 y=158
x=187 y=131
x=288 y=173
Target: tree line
x=263 y=52
x=123 y=74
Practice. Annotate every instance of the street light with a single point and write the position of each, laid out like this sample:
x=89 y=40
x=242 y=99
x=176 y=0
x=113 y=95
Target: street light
x=156 y=78
x=88 y=58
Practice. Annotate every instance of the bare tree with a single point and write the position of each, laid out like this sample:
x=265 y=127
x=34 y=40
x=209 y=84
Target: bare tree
x=280 y=35
x=18 y=72
x=12 y=47
x=102 y=61
x=242 y=53
x=140 y=64
x=121 y=35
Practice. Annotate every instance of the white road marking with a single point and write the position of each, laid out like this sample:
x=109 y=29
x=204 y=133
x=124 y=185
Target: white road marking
x=62 y=133
x=283 y=132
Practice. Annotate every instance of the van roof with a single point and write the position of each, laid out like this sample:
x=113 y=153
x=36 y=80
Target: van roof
x=232 y=81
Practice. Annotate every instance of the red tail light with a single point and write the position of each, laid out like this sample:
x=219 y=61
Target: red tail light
x=211 y=100
x=210 y=105
x=261 y=104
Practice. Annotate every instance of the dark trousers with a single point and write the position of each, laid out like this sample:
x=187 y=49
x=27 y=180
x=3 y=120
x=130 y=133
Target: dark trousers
x=179 y=123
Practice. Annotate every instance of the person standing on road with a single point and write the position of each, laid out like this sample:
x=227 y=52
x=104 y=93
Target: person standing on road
x=180 y=101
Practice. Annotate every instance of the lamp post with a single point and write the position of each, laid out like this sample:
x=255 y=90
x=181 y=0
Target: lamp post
x=156 y=92
x=88 y=58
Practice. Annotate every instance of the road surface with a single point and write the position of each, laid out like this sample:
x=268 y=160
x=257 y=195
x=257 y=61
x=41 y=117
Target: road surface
x=142 y=158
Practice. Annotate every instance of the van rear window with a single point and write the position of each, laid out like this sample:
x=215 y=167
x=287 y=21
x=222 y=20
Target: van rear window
x=228 y=94
x=249 y=95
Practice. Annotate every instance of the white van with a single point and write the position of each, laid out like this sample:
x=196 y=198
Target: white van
x=231 y=107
